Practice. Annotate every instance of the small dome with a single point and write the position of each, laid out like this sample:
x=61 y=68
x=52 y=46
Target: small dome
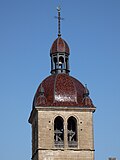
x=61 y=90
x=59 y=45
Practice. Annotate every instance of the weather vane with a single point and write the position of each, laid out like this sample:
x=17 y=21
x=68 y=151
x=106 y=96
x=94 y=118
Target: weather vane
x=59 y=19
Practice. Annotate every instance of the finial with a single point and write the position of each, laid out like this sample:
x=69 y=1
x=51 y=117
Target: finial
x=86 y=99
x=86 y=90
x=59 y=18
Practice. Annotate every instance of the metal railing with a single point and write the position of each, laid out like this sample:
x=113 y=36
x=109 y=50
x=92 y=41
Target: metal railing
x=59 y=144
x=72 y=144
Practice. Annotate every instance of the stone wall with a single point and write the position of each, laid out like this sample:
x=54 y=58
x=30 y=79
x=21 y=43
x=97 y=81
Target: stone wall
x=46 y=149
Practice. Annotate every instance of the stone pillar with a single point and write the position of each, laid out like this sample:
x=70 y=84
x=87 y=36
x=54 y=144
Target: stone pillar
x=65 y=135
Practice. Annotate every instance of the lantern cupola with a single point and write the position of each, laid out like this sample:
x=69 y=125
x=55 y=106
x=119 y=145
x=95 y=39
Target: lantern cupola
x=59 y=52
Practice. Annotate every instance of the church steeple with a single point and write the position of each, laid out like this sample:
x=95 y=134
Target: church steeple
x=62 y=113
x=59 y=52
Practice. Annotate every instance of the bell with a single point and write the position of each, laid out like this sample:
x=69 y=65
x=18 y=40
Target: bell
x=60 y=63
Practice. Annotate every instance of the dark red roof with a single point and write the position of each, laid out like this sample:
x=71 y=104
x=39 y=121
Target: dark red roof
x=61 y=90
x=59 y=45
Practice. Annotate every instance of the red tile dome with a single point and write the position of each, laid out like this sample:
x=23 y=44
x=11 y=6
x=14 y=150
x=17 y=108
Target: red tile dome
x=61 y=90
x=59 y=45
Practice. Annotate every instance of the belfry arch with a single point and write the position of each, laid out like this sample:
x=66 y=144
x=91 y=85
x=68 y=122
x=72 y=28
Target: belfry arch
x=59 y=132
x=72 y=131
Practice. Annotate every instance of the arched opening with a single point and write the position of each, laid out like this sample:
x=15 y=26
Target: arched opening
x=67 y=65
x=72 y=132
x=61 y=62
x=55 y=62
x=58 y=132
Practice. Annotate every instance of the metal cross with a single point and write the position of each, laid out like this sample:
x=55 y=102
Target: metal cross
x=59 y=18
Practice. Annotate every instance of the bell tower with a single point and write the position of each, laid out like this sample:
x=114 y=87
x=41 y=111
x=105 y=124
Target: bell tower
x=62 y=112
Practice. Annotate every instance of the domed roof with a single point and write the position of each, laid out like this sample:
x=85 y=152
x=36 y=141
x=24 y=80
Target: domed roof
x=59 y=45
x=61 y=90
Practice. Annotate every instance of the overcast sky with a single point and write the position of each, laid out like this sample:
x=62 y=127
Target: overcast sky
x=27 y=31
